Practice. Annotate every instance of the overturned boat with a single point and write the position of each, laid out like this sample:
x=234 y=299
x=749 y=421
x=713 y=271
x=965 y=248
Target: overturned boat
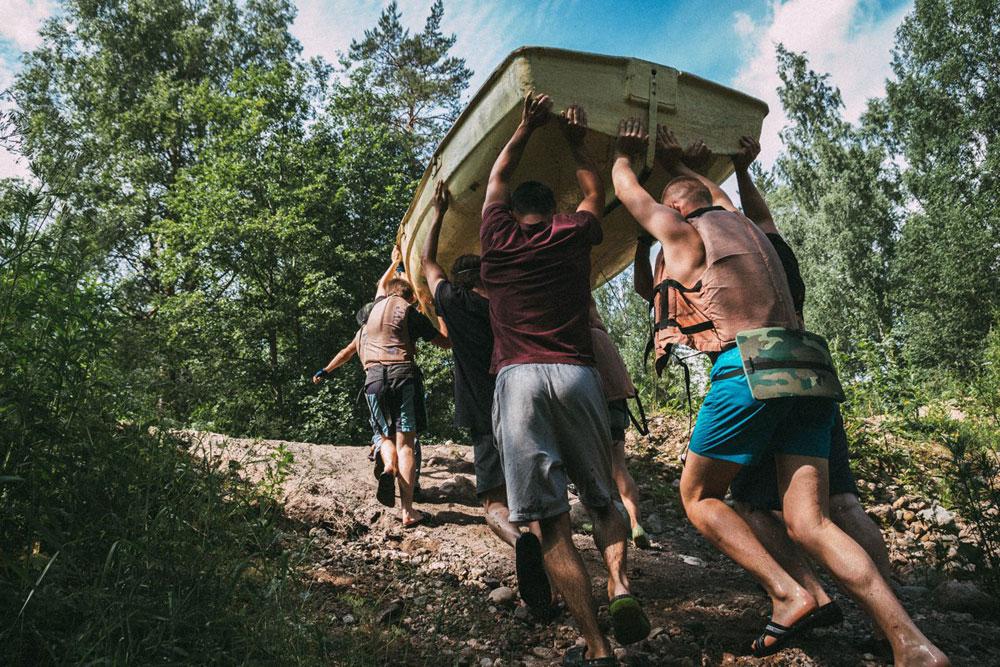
x=609 y=88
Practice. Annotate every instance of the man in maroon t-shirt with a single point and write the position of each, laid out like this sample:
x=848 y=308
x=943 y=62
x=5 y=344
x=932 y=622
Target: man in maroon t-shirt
x=550 y=419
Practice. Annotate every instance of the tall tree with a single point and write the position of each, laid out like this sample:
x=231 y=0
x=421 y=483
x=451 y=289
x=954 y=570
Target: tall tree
x=112 y=107
x=837 y=203
x=941 y=114
x=401 y=93
x=412 y=76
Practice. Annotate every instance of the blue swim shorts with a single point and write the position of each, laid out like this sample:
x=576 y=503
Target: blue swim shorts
x=734 y=426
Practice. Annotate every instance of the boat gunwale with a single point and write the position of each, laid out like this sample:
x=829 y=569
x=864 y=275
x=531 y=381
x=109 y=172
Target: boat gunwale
x=586 y=55
x=500 y=69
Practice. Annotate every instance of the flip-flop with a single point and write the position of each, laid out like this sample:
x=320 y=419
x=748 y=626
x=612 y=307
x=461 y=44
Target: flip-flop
x=628 y=620
x=386 y=493
x=379 y=465
x=574 y=657
x=532 y=582
x=424 y=520
x=782 y=635
x=639 y=537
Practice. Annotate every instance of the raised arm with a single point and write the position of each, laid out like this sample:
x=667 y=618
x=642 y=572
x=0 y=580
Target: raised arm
x=632 y=140
x=670 y=157
x=754 y=206
x=683 y=251
x=428 y=258
x=342 y=357
x=660 y=221
x=534 y=114
x=383 y=282
x=642 y=272
x=573 y=123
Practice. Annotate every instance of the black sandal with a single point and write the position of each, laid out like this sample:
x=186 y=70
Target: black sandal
x=574 y=658
x=782 y=635
x=386 y=493
x=532 y=581
x=826 y=616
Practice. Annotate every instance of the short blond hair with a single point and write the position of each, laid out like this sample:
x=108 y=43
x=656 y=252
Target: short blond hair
x=687 y=189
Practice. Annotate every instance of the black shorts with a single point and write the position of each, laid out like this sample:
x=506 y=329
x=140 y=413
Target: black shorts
x=758 y=484
x=618 y=417
x=489 y=471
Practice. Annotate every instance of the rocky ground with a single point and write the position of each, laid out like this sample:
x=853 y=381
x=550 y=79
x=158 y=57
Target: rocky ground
x=445 y=594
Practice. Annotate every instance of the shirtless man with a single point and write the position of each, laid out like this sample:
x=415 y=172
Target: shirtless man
x=697 y=225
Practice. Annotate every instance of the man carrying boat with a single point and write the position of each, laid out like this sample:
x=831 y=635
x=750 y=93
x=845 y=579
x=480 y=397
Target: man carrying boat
x=618 y=388
x=394 y=390
x=464 y=306
x=357 y=347
x=722 y=283
x=549 y=414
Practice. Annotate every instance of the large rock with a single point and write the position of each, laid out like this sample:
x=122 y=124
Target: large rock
x=503 y=596
x=460 y=489
x=964 y=596
x=936 y=515
x=578 y=514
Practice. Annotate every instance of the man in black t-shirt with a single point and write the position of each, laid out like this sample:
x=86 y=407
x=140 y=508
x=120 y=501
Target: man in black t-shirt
x=463 y=305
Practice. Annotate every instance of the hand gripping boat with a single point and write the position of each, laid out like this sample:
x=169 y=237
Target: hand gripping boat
x=609 y=88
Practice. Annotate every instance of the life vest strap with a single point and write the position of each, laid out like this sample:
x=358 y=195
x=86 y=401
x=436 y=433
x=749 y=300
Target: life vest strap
x=686 y=330
x=763 y=364
x=662 y=286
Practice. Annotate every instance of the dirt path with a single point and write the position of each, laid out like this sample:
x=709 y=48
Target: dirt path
x=438 y=595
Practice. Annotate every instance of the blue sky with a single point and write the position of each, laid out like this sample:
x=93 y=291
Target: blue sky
x=727 y=41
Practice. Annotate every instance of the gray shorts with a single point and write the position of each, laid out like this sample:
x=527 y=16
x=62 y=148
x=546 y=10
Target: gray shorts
x=551 y=425
x=489 y=471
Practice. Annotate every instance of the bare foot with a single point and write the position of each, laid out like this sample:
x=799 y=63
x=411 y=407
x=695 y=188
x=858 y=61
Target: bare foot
x=920 y=654
x=790 y=611
x=410 y=518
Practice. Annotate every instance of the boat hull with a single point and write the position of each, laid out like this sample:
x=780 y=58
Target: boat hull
x=609 y=88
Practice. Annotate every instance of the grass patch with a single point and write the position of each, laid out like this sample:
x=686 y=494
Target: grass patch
x=121 y=548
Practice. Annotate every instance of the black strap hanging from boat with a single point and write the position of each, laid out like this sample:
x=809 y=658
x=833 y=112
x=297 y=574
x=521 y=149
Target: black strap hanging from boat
x=643 y=427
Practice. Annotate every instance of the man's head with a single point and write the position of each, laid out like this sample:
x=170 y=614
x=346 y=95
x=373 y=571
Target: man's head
x=401 y=288
x=686 y=194
x=533 y=198
x=465 y=272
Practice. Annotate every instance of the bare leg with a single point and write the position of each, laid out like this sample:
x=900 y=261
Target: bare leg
x=771 y=532
x=568 y=573
x=805 y=499
x=626 y=485
x=609 y=536
x=704 y=482
x=498 y=515
x=406 y=475
x=850 y=517
x=388 y=450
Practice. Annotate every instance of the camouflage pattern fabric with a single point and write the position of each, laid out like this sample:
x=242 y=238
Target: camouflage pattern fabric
x=782 y=362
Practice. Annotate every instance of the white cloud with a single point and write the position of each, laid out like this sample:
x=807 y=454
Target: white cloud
x=846 y=38
x=743 y=24
x=326 y=27
x=21 y=19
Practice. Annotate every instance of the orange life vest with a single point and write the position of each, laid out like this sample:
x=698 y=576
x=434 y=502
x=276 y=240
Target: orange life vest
x=386 y=339
x=743 y=287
